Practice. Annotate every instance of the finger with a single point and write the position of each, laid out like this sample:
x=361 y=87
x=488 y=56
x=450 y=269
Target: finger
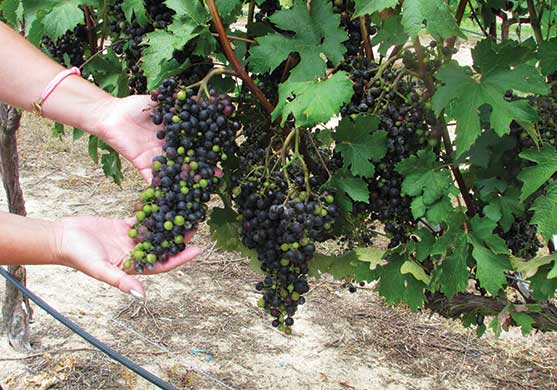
x=181 y=258
x=147 y=174
x=188 y=236
x=116 y=277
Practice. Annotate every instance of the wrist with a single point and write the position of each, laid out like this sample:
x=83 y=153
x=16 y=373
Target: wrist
x=94 y=119
x=56 y=244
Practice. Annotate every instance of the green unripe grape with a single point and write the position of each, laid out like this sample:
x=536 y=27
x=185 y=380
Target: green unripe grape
x=224 y=157
x=290 y=288
x=181 y=150
x=151 y=258
x=156 y=165
x=330 y=199
x=428 y=106
x=194 y=165
x=295 y=296
x=236 y=191
x=281 y=327
x=132 y=233
x=179 y=220
x=165 y=244
x=323 y=213
x=295 y=245
x=154 y=208
x=327 y=225
x=168 y=225
x=181 y=95
x=184 y=190
x=176 y=119
x=179 y=239
x=127 y=264
x=138 y=254
x=287 y=330
x=203 y=183
x=284 y=262
x=147 y=209
x=261 y=303
x=283 y=293
x=304 y=241
x=317 y=210
x=140 y=216
x=284 y=247
x=433 y=142
x=216 y=148
x=190 y=153
x=187 y=159
x=170 y=163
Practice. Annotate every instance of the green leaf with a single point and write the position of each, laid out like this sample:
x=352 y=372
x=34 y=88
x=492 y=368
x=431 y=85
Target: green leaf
x=529 y=268
x=225 y=230
x=482 y=230
x=391 y=34
x=397 y=287
x=452 y=274
x=340 y=267
x=543 y=288
x=109 y=74
x=359 y=143
x=77 y=133
x=63 y=16
x=414 y=269
x=368 y=7
x=354 y=187
x=547 y=55
x=491 y=267
x=312 y=102
x=92 y=148
x=135 y=8
x=163 y=43
x=58 y=130
x=545 y=212
x=191 y=9
x=503 y=208
x=373 y=256
x=9 y=9
x=317 y=37
x=463 y=93
x=524 y=321
x=229 y=10
x=536 y=176
x=112 y=166
x=438 y=18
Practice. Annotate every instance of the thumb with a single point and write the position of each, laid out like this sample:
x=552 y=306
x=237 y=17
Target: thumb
x=118 y=278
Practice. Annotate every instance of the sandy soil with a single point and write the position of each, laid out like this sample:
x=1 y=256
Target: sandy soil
x=200 y=328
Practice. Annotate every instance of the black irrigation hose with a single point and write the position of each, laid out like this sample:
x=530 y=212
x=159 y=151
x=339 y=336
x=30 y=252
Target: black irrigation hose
x=88 y=337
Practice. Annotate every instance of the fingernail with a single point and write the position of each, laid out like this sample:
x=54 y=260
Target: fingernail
x=137 y=295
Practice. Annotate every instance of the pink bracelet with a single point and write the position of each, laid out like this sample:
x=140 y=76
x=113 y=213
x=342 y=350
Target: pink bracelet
x=38 y=106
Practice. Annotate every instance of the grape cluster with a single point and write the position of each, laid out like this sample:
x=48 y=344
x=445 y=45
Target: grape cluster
x=282 y=221
x=198 y=135
x=522 y=238
x=71 y=44
x=395 y=100
x=266 y=9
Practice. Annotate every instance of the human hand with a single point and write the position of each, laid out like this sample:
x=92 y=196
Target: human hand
x=99 y=246
x=125 y=124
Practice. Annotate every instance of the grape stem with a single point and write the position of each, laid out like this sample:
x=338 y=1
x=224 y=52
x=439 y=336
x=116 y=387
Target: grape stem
x=202 y=84
x=365 y=35
x=534 y=21
x=459 y=15
x=237 y=38
x=90 y=23
x=229 y=52
x=99 y=53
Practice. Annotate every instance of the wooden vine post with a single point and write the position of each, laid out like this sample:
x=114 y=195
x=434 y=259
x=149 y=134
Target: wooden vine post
x=16 y=312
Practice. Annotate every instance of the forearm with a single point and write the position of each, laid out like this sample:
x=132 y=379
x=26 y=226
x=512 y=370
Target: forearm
x=25 y=71
x=28 y=241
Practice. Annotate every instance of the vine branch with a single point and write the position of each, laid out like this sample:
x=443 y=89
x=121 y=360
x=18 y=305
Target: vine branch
x=534 y=21
x=229 y=52
x=365 y=35
x=459 y=15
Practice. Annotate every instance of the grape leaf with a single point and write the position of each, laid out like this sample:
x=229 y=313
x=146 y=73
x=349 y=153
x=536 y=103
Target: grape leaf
x=451 y=276
x=359 y=143
x=77 y=134
x=464 y=92
x=229 y=10
x=63 y=16
x=542 y=287
x=112 y=166
x=528 y=268
x=340 y=267
x=439 y=20
x=524 y=321
x=346 y=186
x=545 y=212
x=368 y=7
x=9 y=10
x=547 y=55
x=108 y=73
x=491 y=267
x=163 y=43
x=502 y=204
x=135 y=8
x=312 y=102
x=414 y=269
x=391 y=34
x=93 y=148
x=427 y=183
x=482 y=230
x=317 y=37
x=536 y=176
x=397 y=287
x=194 y=10
x=225 y=230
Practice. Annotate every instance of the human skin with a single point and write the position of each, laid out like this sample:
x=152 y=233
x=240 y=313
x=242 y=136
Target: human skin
x=96 y=246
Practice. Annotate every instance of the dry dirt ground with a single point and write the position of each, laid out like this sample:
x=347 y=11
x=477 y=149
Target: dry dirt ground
x=200 y=328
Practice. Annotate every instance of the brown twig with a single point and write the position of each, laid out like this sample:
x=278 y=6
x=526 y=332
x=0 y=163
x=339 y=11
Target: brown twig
x=534 y=21
x=229 y=52
x=90 y=23
x=98 y=53
x=459 y=15
x=422 y=67
x=365 y=36
x=237 y=38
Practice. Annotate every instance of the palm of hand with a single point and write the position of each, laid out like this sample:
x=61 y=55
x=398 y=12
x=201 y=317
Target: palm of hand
x=99 y=246
x=129 y=130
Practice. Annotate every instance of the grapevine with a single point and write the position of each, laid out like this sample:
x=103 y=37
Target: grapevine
x=342 y=137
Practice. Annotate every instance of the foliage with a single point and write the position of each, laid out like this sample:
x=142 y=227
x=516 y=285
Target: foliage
x=464 y=193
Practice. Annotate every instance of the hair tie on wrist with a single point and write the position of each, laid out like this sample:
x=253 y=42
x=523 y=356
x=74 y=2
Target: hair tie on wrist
x=38 y=105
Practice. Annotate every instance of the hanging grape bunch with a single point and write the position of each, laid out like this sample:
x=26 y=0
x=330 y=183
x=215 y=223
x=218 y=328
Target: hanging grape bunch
x=71 y=45
x=198 y=135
